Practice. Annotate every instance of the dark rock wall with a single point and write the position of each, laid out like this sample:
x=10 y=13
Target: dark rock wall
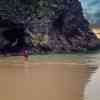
x=61 y=20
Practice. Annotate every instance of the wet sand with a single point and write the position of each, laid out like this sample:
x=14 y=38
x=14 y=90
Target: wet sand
x=42 y=80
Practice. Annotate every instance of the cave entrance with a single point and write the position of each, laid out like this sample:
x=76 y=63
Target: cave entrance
x=14 y=34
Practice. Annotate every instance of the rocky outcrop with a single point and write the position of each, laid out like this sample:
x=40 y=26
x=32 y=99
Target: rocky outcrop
x=61 y=20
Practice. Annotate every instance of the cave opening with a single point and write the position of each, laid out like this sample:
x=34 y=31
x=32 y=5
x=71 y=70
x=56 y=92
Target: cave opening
x=14 y=34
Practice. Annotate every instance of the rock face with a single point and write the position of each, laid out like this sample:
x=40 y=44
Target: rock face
x=61 y=20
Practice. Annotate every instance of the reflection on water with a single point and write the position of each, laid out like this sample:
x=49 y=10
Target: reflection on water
x=51 y=77
x=92 y=89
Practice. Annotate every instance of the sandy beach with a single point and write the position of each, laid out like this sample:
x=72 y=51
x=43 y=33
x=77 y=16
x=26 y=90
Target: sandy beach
x=42 y=80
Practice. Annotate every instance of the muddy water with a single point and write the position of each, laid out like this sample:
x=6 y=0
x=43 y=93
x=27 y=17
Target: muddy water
x=50 y=77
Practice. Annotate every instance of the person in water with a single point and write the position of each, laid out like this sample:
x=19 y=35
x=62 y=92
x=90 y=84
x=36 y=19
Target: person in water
x=25 y=54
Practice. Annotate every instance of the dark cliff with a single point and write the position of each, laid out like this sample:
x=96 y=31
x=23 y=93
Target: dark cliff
x=45 y=26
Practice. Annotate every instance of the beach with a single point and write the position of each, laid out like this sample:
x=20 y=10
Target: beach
x=58 y=77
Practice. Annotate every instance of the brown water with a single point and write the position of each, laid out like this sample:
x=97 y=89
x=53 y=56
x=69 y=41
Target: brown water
x=48 y=78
